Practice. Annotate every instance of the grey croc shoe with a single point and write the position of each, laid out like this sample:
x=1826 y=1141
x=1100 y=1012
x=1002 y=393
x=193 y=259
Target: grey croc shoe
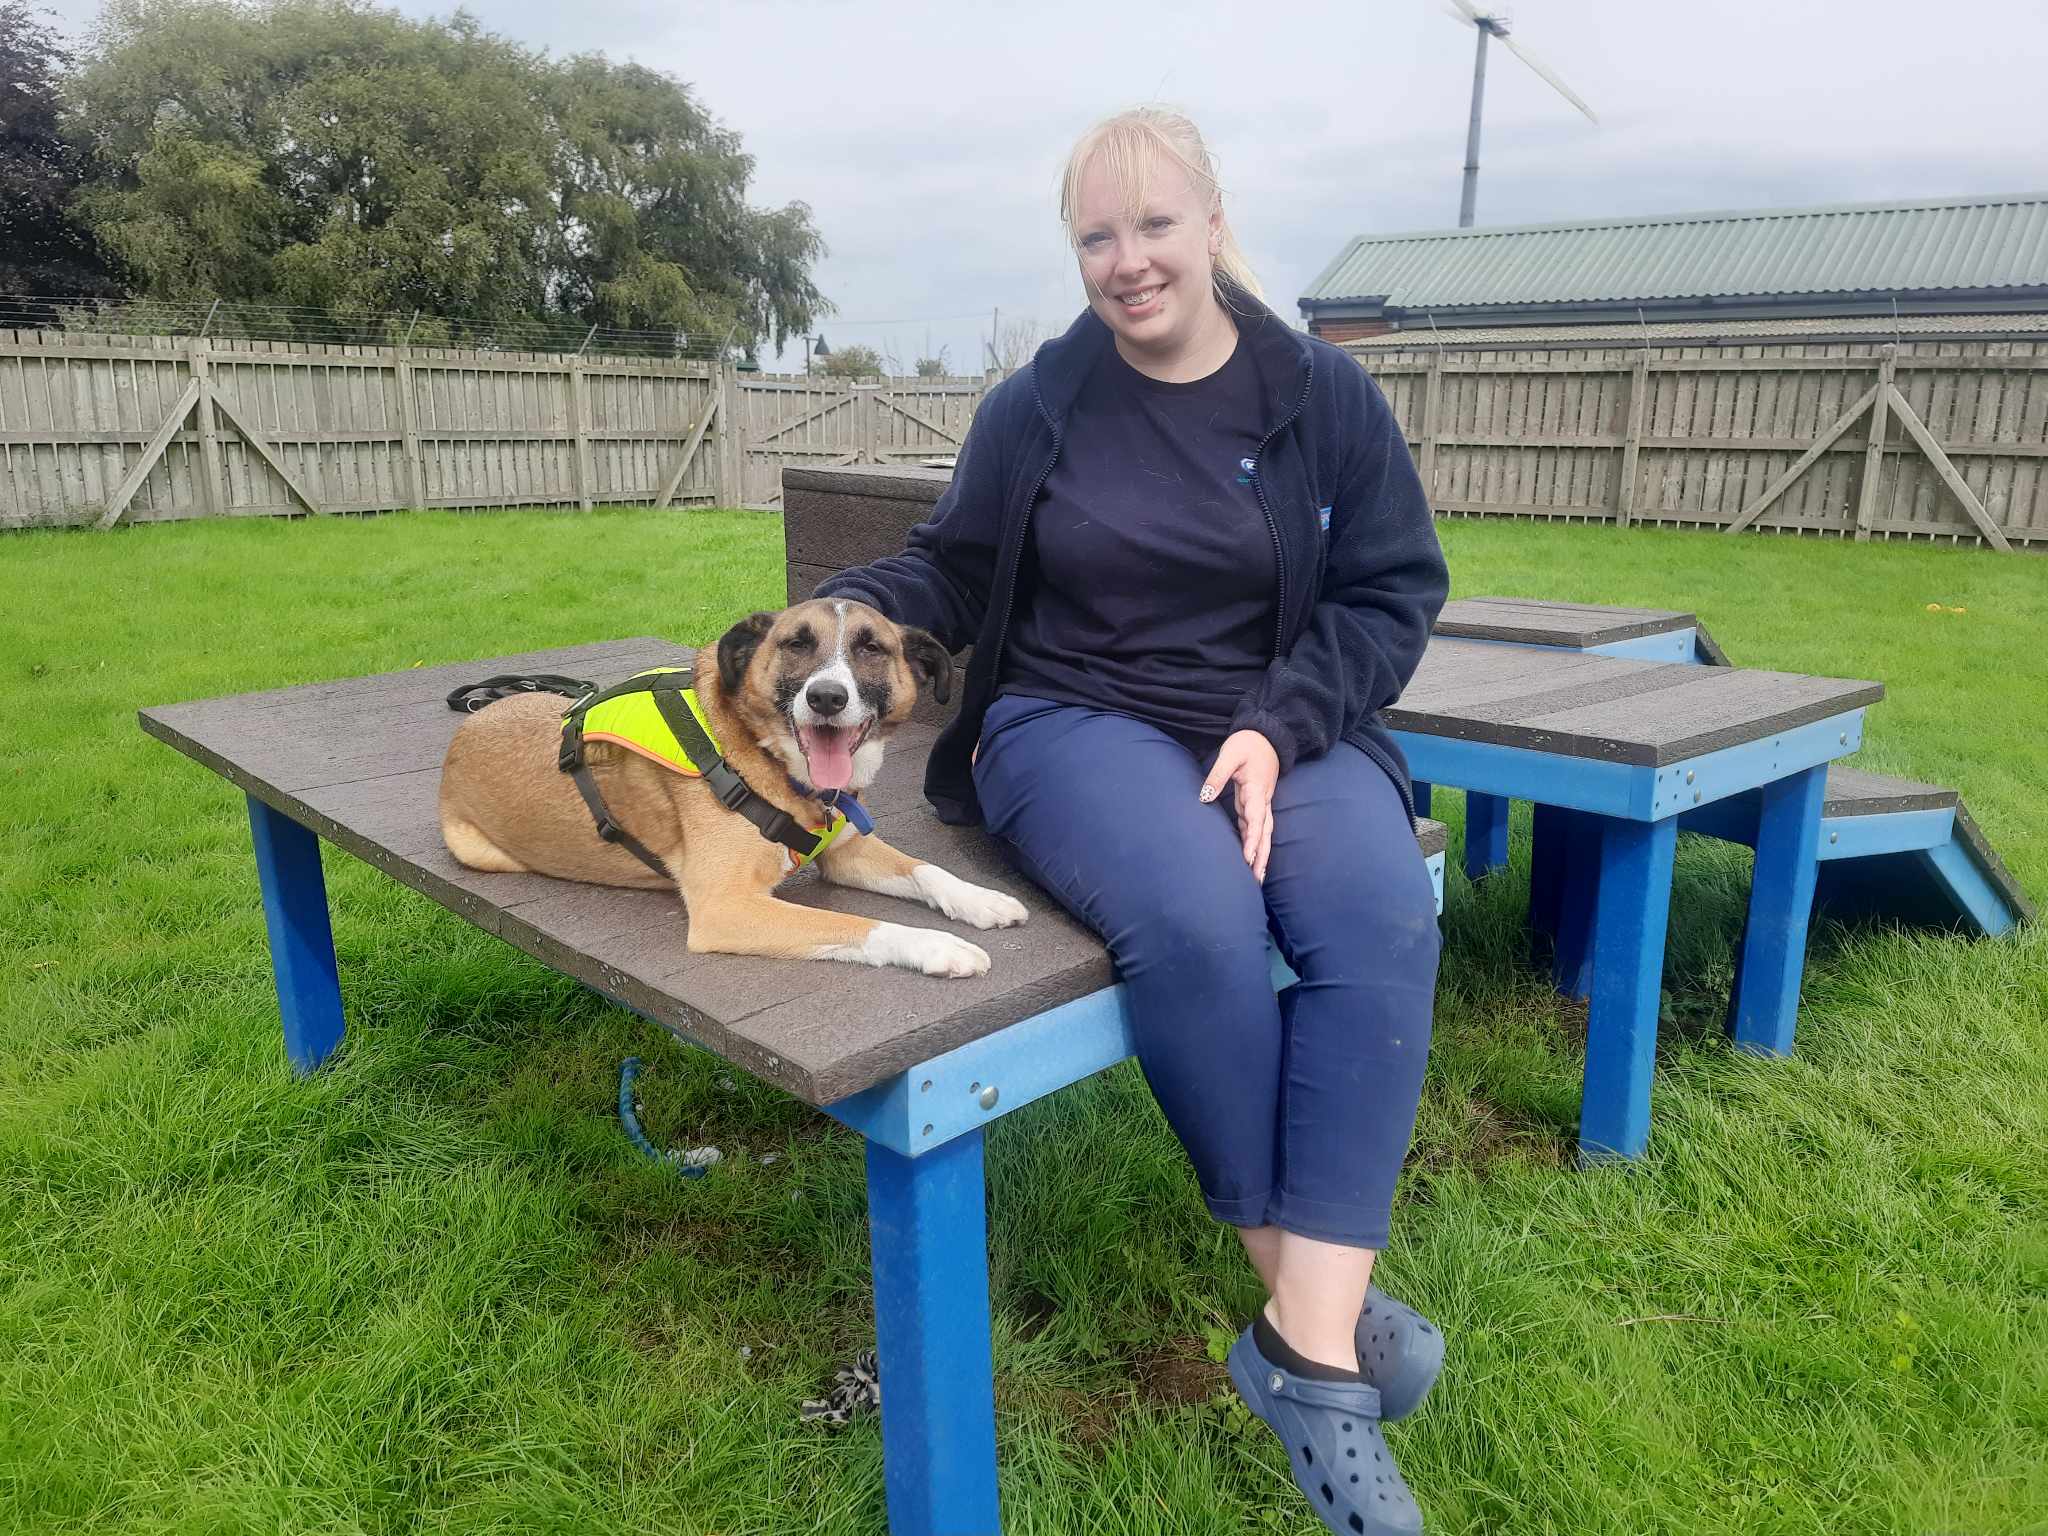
x=1331 y=1430
x=1399 y=1351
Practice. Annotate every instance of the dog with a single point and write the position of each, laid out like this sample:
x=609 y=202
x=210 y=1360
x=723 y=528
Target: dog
x=799 y=703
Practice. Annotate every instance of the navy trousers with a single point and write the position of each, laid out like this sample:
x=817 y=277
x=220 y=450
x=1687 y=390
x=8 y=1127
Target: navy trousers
x=1295 y=1110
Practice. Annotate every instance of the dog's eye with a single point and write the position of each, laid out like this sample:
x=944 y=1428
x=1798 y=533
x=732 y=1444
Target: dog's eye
x=868 y=645
x=802 y=640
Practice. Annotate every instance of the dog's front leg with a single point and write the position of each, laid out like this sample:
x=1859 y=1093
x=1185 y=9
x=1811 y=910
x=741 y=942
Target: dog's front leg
x=728 y=923
x=869 y=864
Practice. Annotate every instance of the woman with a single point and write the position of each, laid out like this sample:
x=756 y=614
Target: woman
x=1194 y=560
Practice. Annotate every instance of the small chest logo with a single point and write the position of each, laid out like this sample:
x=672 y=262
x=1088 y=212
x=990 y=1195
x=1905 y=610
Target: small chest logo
x=1249 y=467
x=1323 y=517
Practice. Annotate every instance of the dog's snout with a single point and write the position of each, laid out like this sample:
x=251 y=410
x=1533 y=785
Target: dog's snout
x=826 y=698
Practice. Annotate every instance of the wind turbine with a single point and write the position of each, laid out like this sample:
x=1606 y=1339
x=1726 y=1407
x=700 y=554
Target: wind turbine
x=1494 y=24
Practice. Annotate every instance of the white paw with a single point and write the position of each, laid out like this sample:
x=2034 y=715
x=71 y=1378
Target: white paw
x=926 y=949
x=965 y=903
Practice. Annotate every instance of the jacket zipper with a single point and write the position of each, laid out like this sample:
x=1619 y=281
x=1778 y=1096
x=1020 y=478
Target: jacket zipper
x=1024 y=529
x=1272 y=525
x=1401 y=783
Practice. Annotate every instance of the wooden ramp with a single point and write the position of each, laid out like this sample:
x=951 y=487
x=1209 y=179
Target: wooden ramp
x=1889 y=848
x=1894 y=849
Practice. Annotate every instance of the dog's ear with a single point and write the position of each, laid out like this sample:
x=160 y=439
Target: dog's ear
x=737 y=645
x=929 y=660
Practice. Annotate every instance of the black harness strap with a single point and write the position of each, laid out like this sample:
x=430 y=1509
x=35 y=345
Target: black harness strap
x=733 y=792
x=471 y=697
x=609 y=830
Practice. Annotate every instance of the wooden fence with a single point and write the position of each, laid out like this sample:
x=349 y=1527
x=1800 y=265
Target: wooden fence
x=1935 y=439
x=819 y=423
x=1942 y=440
x=101 y=429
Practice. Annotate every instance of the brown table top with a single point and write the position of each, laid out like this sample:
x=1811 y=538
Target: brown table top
x=358 y=761
x=1537 y=621
x=1606 y=708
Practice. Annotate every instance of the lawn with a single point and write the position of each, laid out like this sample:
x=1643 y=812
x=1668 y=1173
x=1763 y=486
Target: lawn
x=434 y=1289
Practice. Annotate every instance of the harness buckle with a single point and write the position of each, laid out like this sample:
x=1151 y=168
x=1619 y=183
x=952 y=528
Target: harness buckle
x=729 y=787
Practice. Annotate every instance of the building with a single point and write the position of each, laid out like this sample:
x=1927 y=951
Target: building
x=1852 y=262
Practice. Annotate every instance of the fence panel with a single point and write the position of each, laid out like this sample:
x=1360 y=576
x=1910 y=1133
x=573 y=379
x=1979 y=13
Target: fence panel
x=819 y=422
x=278 y=428
x=1700 y=436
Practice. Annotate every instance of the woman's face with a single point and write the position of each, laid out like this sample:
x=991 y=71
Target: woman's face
x=1150 y=276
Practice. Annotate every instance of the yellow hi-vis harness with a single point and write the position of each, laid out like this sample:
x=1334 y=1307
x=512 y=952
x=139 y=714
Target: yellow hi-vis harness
x=656 y=714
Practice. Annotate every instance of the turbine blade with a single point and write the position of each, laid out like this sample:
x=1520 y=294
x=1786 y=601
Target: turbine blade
x=1547 y=76
x=1462 y=10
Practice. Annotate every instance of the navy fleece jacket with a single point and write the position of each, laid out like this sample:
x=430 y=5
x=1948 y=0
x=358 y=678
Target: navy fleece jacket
x=1361 y=574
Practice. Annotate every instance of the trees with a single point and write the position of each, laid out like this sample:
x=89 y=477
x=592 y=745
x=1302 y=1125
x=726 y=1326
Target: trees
x=336 y=156
x=1013 y=344
x=42 y=250
x=657 y=229
x=855 y=362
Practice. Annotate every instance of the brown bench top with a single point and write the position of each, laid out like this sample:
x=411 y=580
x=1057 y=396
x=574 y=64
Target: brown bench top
x=1853 y=792
x=358 y=761
x=1573 y=626
x=1607 y=708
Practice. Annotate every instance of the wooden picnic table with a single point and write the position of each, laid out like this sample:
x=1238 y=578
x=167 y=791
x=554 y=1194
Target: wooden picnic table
x=918 y=1065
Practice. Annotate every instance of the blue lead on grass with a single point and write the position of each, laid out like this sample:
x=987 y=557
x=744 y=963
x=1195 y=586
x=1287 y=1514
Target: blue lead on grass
x=692 y=1164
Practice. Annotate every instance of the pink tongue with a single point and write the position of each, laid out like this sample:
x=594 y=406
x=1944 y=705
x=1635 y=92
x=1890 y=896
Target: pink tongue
x=828 y=754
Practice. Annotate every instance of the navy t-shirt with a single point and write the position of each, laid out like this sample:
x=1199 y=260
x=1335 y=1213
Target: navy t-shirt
x=1150 y=577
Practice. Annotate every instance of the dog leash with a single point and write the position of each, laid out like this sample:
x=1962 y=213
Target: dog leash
x=471 y=697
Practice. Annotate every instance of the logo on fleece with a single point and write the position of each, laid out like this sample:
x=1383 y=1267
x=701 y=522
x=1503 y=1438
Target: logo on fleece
x=1323 y=517
x=1250 y=467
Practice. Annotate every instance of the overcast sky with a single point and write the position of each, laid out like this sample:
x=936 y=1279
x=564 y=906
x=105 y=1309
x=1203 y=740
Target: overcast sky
x=928 y=137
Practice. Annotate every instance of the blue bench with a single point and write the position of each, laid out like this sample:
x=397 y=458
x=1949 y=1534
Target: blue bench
x=1885 y=847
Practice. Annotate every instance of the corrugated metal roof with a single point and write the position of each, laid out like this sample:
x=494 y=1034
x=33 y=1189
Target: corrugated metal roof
x=1985 y=242
x=2029 y=327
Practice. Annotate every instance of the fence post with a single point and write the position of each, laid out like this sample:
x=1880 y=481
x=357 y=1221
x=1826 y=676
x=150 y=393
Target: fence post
x=732 y=445
x=579 y=427
x=1432 y=404
x=1631 y=440
x=409 y=425
x=1873 y=454
x=216 y=492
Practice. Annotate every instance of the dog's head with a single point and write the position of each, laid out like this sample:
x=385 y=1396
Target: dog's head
x=821 y=684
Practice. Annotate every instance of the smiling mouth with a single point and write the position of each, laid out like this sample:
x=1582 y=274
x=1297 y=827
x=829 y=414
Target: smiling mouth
x=828 y=752
x=1141 y=298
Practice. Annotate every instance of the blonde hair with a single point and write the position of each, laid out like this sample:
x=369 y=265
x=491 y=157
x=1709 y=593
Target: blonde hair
x=1126 y=146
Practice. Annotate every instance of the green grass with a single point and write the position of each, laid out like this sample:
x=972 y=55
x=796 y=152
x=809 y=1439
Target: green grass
x=433 y=1289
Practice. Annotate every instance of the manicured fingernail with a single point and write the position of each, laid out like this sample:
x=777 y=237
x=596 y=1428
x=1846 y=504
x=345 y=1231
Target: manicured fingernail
x=1208 y=793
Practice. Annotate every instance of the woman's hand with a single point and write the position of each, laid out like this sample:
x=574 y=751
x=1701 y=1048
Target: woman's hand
x=1249 y=759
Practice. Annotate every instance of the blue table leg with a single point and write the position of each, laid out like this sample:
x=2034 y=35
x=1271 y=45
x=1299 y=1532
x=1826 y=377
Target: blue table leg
x=1422 y=793
x=1572 y=882
x=1486 y=833
x=1546 y=870
x=301 y=942
x=1629 y=920
x=928 y=1236
x=1765 y=1004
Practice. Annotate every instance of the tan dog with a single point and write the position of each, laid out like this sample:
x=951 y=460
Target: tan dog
x=808 y=694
